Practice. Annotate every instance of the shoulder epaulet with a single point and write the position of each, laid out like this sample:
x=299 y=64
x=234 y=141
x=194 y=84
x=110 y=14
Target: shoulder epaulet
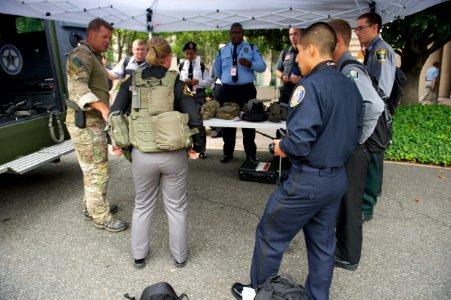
x=351 y=61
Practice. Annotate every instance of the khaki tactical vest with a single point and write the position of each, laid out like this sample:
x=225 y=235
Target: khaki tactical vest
x=154 y=126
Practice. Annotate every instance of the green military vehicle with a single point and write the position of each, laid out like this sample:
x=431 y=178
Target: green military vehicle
x=33 y=91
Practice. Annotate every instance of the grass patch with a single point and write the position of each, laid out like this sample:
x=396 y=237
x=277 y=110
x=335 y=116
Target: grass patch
x=421 y=133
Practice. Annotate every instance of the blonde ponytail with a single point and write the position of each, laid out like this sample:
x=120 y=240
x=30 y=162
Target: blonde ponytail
x=158 y=49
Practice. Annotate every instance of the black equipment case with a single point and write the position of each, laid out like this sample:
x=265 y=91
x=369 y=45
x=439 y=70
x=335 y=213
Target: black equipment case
x=265 y=172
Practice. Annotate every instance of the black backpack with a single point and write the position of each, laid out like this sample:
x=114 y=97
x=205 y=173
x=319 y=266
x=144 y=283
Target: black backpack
x=125 y=64
x=159 y=291
x=255 y=111
x=382 y=134
x=281 y=287
x=397 y=91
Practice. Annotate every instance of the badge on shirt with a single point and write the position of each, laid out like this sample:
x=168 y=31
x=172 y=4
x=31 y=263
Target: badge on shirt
x=246 y=50
x=353 y=75
x=288 y=57
x=381 y=55
x=233 y=71
x=298 y=96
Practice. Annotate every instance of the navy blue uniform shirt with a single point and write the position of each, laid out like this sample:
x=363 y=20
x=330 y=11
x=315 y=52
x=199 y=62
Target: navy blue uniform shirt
x=324 y=120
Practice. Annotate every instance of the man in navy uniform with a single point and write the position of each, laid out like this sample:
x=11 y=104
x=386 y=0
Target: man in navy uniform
x=380 y=62
x=235 y=65
x=287 y=68
x=324 y=125
x=349 y=223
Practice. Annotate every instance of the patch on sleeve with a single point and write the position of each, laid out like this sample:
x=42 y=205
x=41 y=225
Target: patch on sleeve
x=353 y=74
x=187 y=91
x=76 y=61
x=298 y=96
x=381 y=55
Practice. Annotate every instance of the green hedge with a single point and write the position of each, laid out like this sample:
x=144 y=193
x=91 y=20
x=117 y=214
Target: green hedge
x=421 y=133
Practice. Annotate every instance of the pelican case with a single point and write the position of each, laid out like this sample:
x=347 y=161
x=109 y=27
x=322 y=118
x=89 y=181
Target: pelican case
x=265 y=172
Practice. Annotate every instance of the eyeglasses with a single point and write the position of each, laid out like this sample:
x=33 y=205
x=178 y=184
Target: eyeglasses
x=360 y=28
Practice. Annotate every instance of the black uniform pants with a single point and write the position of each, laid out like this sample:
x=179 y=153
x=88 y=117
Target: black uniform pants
x=239 y=94
x=285 y=92
x=349 y=222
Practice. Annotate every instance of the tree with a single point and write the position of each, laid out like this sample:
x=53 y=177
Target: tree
x=414 y=38
x=207 y=42
x=122 y=43
x=267 y=41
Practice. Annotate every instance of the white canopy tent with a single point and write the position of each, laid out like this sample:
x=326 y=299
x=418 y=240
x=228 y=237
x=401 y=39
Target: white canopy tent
x=197 y=15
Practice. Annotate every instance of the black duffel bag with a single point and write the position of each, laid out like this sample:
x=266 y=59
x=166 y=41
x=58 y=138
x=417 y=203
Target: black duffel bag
x=281 y=287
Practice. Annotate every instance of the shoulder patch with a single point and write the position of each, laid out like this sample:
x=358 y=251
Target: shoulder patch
x=381 y=55
x=353 y=74
x=298 y=96
x=76 y=61
x=187 y=91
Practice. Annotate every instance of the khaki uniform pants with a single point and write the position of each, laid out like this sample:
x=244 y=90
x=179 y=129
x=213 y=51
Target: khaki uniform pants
x=427 y=90
x=154 y=172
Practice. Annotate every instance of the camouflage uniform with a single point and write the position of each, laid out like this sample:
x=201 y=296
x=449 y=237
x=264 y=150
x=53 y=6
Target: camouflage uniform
x=87 y=83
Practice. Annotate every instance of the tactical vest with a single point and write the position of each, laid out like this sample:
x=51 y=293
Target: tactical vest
x=98 y=81
x=154 y=126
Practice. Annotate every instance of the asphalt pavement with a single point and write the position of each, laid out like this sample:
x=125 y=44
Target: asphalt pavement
x=48 y=251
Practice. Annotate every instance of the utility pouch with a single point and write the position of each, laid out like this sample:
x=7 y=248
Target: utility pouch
x=80 y=119
x=118 y=129
x=172 y=131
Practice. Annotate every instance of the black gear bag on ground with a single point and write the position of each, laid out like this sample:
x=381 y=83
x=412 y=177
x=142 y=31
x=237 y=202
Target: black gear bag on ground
x=159 y=291
x=264 y=172
x=281 y=287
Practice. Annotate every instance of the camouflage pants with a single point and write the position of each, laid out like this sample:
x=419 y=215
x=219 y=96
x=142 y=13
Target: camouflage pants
x=92 y=152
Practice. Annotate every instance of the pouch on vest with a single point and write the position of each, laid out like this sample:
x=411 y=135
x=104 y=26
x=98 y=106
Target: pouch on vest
x=118 y=129
x=172 y=131
x=228 y=111
x=208 y=110
x=156 y=95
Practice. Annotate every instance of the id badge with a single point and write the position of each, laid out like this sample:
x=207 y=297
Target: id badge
x=233 y=71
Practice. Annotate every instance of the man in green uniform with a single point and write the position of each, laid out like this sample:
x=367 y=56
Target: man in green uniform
x=87 y=84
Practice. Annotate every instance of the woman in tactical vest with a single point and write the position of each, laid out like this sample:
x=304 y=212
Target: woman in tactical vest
x=160 y=149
